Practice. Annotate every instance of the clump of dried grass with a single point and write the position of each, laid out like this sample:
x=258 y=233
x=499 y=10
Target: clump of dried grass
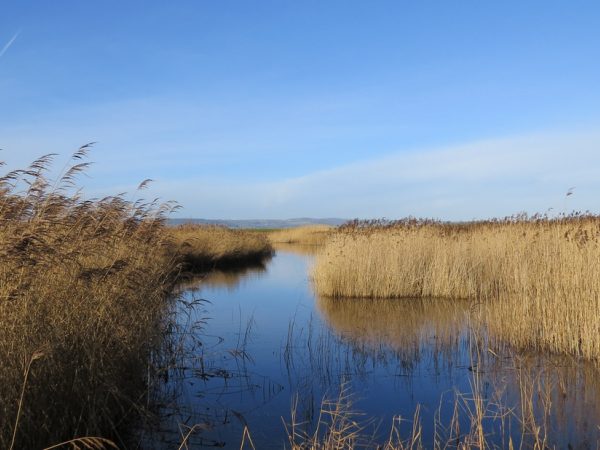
x=485 y=417
x=538 y=278
x=204 y=247
x=83 y=287
x=338 y=426
x=304 y=235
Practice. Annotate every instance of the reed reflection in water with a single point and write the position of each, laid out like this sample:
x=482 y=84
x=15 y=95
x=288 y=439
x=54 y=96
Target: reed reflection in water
x=526 y=397
x=408 y=327
x=298 y=249
x=230 y=278
x=243 y=364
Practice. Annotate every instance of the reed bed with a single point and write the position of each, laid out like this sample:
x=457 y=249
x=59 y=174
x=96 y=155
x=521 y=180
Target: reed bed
x=205 y=247
x=537 y=279
x=83 y=294
x=305 y=235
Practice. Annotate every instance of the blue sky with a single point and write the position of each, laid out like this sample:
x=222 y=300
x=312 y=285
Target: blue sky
x=275 y=109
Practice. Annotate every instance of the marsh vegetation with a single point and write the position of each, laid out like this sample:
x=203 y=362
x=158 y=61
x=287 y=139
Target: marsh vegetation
x=303 y=235
x=83 y=294
x=376 y=373
x=207 y=247
x=475 y=335
x=85 y=305
x=538 y=279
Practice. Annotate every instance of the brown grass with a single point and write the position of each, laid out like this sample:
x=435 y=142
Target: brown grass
x=205 y=247
x=538 y=279
x=85 y=289
x=83 y=295
x=338 y=426
x=305 y=235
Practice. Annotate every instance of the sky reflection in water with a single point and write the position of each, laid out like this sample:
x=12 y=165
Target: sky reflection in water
x=266 y=342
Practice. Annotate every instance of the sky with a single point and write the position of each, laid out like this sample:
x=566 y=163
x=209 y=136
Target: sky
x=453 y=110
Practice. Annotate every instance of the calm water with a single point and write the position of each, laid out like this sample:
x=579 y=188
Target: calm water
x=258 y=344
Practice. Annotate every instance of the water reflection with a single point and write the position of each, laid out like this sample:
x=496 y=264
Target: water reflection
x=550 y=397
x=526 y=398
x=298 y=249
x=407 y=327
x=229 y=279
x=264 y=340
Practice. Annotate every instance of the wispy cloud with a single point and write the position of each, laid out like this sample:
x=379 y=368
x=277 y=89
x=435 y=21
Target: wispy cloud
x=9 y=43
x=481 y=179
x=477 y=179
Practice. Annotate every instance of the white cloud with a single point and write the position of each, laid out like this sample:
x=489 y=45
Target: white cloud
x=481 y=179
x=486 y=178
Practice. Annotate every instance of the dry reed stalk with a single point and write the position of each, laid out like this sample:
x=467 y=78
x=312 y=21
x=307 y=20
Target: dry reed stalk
x=88 y=443
x=304 y=235
x=86 y=281
x=480 y=419
x=538 y=278
x=204 y=247
x=337 y=428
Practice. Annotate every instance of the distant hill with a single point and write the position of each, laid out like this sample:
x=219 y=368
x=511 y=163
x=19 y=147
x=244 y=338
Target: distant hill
x=261 y=223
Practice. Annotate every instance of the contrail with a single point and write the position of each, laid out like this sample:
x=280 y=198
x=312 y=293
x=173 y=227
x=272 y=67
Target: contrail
x=9 y=43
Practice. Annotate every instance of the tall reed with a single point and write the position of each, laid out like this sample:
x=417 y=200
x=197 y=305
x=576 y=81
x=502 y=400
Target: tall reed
x=538 y=278
x=305 y=235
x=204 y=247
x=83 y=289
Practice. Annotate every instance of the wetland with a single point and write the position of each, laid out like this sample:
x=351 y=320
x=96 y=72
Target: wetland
x=269 y=358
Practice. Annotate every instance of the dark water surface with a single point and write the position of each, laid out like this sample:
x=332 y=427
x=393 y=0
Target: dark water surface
x=263 y=344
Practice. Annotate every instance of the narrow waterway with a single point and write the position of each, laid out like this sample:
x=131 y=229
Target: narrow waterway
x=262 y=351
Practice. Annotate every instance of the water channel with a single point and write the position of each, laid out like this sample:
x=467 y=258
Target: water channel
x=259 y=344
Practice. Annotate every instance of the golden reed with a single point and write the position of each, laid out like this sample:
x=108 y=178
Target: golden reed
x=204 y=247
x=303 y=235
x=538 y=279
x=83 y=294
